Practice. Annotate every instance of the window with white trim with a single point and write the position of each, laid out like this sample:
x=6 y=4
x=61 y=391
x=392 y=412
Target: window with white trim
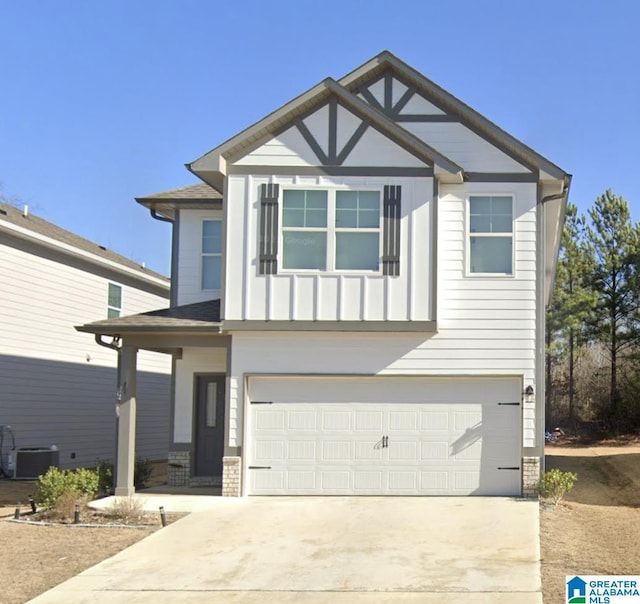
x=329 y=230
x=114 y=301
x=491 y=234
x=211 y=272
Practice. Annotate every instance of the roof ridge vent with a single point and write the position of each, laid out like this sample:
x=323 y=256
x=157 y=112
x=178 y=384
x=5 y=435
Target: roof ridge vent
x=25 y=211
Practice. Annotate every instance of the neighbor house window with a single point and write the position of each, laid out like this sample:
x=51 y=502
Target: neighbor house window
x=211 y=254
x=114 y=301
x=491 y=235
x=331 y=230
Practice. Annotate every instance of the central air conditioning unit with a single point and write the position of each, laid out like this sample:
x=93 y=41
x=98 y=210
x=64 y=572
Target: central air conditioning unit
x=31 y=463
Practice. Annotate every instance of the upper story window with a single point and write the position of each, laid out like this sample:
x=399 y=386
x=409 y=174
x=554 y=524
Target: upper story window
x=491 y=234
x=211 y=254
x=330 y=230
x=114 y=301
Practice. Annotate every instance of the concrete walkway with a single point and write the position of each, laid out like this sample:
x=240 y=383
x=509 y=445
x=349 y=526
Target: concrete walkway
x=337 y=550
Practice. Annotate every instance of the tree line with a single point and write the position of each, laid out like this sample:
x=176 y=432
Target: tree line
x=593 y=322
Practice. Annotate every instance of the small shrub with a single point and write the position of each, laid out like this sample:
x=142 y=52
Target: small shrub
x=68 y=484
x=104 y=469
x=554 y=485
x=141 y=473
x=127 y=509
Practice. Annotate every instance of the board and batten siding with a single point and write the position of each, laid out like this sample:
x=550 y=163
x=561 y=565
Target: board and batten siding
x=189 y=285
x=486 y=325
x=328 y=296
x=58 y=385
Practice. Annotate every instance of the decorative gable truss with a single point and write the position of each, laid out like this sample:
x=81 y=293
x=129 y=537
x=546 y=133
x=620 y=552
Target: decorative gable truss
x=448 y=130
x=344 y=132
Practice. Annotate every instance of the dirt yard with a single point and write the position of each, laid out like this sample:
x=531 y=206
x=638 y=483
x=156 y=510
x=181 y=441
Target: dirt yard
x=597 y=530
x=39 y=557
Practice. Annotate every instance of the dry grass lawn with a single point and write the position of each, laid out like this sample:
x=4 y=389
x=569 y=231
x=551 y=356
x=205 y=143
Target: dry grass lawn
x=597 y=530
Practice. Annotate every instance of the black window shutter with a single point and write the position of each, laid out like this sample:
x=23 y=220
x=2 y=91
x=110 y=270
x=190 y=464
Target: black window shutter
x=391 y=230
x=268 y=244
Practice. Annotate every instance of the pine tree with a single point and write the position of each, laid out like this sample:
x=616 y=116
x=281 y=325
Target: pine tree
x=615 y=244
x=572 y=301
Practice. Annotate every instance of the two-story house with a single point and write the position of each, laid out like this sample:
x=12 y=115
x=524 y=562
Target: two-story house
x=359 y=288
x=58 y=387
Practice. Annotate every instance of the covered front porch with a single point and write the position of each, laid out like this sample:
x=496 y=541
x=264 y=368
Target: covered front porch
x=198 y=419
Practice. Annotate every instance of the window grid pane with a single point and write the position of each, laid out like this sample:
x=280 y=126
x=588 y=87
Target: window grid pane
x=492 y=255
x=211 y=272
x=115 y=295
x=490 y=214
x=212 y=236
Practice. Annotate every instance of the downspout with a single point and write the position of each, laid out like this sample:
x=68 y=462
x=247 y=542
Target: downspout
x=114 y=345
x=541 y=316
x=173 y=295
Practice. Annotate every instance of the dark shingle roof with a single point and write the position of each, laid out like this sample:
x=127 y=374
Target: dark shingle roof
x=16 y=216
x=200 y=315
x=197 y=192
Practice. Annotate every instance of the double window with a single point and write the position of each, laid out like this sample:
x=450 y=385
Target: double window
x=114 y=301
x=211 y=254
x=491 y=234
x=328 y=230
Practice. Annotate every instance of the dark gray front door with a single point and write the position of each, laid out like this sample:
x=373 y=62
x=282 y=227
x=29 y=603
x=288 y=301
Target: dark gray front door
x=209 y=428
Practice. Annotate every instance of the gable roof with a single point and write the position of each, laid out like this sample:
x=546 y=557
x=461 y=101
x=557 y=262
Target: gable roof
x=211 y=167
x=385 y=61
x=27 y=225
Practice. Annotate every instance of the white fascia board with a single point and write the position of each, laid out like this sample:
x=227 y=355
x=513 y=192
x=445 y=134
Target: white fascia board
x=71 y=250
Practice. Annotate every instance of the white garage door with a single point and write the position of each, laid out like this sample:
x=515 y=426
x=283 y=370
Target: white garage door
x=384 y=436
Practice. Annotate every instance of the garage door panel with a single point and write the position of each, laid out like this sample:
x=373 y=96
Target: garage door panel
x=322 y=442
x=338 y=421
x=368 y=480
x=368 y=451
x=302 y=421
x=403 y=451
x=434 y=420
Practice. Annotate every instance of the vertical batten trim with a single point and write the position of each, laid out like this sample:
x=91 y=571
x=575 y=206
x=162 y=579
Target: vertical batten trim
x=411 y=265
x=364 y=297
x=249 y=186
x=317 y=283
x=340 y=297
x=433 y=314
x=293 y=297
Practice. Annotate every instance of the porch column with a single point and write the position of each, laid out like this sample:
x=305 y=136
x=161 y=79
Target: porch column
x=126 y=453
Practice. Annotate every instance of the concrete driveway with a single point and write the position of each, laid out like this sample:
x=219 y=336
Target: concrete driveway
x=327 y=549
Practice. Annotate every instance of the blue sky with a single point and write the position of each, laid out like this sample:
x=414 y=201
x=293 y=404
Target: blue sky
x=105 y=101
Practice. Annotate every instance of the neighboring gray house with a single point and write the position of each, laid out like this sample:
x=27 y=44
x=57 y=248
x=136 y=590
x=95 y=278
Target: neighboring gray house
x=57 y=386
x=358 y=301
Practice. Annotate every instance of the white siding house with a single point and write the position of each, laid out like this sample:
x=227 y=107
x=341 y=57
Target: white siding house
x=366 y=300
x=58 y=386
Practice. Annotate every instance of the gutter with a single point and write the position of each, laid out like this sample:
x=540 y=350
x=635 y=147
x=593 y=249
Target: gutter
x=154 y=214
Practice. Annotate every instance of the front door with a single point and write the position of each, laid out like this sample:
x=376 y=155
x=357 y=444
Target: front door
x=209 y=425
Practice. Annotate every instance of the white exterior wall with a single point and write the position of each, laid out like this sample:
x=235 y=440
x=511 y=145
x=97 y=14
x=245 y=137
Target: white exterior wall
x=194 y=360
x=189 y=286
x=328 y=295
x=58 y=385
x=486 y=325
x=464 y=147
